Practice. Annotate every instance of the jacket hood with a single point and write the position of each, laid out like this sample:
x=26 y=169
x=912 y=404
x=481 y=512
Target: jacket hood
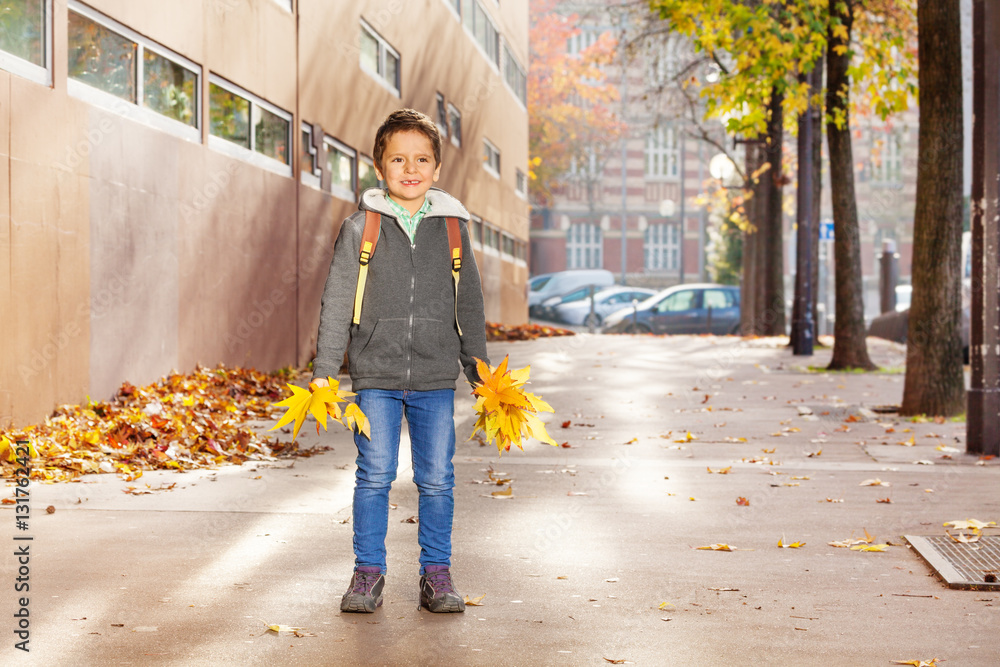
x=443 y=205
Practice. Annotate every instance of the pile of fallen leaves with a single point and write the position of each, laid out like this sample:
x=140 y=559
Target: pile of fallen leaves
x=181 y=422
x=501 y=332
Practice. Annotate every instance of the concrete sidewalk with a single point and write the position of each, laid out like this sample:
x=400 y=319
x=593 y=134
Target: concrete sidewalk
x=576 y=564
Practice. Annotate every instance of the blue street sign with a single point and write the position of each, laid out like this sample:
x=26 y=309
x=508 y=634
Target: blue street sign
x=826 y=230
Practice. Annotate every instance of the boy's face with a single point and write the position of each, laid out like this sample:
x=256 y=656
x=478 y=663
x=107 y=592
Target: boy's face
x=409 y=169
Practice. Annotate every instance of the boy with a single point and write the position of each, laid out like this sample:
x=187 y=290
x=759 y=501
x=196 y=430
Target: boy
x=418 y=322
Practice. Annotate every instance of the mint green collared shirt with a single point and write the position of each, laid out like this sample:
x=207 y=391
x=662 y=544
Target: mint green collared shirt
x=409 y=222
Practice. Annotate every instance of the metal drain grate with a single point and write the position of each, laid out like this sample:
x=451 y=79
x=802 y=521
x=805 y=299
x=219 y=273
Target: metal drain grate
x=970 y=566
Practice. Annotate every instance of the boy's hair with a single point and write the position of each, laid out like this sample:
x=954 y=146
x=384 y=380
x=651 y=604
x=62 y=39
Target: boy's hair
x=403 y=120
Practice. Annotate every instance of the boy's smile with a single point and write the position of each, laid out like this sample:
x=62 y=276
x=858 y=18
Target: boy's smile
x=409 y=168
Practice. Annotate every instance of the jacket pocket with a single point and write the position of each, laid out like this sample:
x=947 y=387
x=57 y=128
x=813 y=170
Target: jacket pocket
x=435 y=349
x=383 y=354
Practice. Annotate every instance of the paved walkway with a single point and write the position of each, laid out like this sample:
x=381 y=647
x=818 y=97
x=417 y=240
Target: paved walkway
x=591 y=559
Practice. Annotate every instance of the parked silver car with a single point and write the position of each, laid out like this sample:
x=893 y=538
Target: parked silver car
x=574 y=308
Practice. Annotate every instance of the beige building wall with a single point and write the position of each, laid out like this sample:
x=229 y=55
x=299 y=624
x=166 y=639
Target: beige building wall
x=129 y=251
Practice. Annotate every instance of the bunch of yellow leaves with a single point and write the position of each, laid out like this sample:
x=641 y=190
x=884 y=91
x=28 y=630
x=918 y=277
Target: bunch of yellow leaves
x=506 y=412
x=320 y=402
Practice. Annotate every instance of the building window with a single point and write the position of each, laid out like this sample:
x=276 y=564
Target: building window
x=491 y=158
x=481 y=27
x=663 y=60
x=25 y=49
x=514 y=75
x=476 y=229
x=662 y=245
x=367 y=178
x=520 y=183
x=241 y=119
x=379 y=59
x=508 y=245
x=310 y=172
x=442 y=116
x=455 y=125
x=583 y=247
x=114 y=63
x=340 y=161
x=662 y=155
x=887 y=158
x=585 y=38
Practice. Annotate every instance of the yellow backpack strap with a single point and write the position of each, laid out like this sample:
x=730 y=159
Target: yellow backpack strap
x=455 y=243
x=369 y=239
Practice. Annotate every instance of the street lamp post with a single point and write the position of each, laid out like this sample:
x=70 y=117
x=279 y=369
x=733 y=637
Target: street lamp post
x=802 y=328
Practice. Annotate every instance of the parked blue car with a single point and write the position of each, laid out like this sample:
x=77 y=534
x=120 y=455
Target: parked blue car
x=682 y=309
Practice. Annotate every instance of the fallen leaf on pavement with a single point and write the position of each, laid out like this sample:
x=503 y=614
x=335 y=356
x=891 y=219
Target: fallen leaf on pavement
x=620 y=661
x=475 y=602
x=874 y=482
x=716 y=547
x=969 y=524
x=282 y=628
x=743 y=501
x=509 y=491
x=908 y=443
x=566 y=423
x=802 y=477
x=632 y=441
x=687 y=438
x=917 y=663
x=869 y=547
x=813 y=454
x=964 y=538
x=792 y=545
x=721 y=471
x=883 y=500
x=664 y=605
x=833 y=500
x=411 y=519
x=769 y=451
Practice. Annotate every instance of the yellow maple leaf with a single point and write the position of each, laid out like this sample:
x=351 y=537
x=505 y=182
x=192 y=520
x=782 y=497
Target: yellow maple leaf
x=476 y=601
x=792 y=545
x=869 y=547
x=505 y=412
x=321 y=402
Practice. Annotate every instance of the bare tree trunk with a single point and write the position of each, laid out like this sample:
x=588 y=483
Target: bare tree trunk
x=934 y=381
x=773 y=302
x=849 y=347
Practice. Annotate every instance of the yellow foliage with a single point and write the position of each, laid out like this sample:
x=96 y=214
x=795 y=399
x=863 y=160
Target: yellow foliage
x=506 y=413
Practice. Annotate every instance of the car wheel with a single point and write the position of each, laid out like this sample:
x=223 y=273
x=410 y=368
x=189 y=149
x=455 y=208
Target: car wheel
x=592 y=320
x=637 y=328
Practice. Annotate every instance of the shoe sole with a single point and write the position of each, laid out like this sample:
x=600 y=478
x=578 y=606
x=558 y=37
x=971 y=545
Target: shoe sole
x=361 y=604
x=448 y=605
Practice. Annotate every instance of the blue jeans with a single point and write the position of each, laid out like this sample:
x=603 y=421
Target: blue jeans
x=430 y=418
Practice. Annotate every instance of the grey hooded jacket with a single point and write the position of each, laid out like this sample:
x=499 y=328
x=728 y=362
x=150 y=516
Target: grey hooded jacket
x=407 y=337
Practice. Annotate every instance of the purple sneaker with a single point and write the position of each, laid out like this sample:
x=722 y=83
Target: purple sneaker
x=365 y=592
x=437 y=592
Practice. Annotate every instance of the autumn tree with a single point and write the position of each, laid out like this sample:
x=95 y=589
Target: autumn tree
x=570 y=116
x=934 y=379
x=757 y=48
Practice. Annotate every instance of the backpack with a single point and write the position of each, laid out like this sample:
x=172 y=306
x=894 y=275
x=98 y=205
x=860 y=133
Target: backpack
x=369 y=239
